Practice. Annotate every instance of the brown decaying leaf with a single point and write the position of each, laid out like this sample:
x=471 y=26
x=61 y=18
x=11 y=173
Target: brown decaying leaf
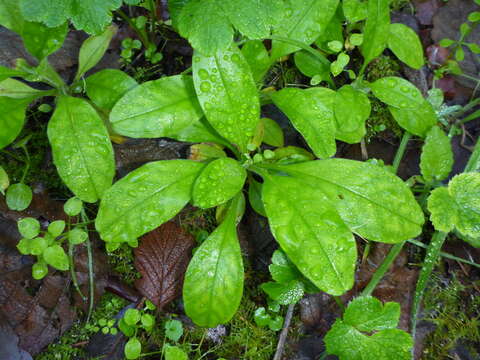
x=162 y=259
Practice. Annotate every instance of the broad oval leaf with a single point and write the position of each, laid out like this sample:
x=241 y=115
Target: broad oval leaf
x=443 y=210
x=218 y=182
x=355 y=10
x=158 y=108
x=304 y=21
x=107 y=86
x=41 y=41
x=213 y=285
x=352 y=109
x=406 y=45
x=162 y=258
x=437 y=157
x=372 y=201
x=93 y=49
x=273 y=133
x=311 y=113
x=145 y=199
x=55 y=256
x=200 y=131
x=18 y=197
x=311 y=233
x=258 y=58
x=15 y=89
x=397 y=92
x=311 y=66
x=81 y=147
x=228 y=94
x=376 y=30
x=417 y=121
x=12 y=118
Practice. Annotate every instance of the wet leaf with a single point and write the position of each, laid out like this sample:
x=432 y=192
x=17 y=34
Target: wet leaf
x=228 y=95
x=73 y=206
x=349 y=339
x=406 y=45
x=4 y=180
x=376 y=29
x=273 y=133
x=352 y=109
x=82 y=151
x=214 y=280
x=15 y=89
x=55 y=256
x=311 y=233
x=257 y=57
x=284 y=293
x=417 y=121
x=311 y=66
x=158 y=108
x=145 y=199
x=12 y=118
x=29 y=227
x=19 y=197
x=304 y=21
x=42 y=41
x=107 y=86
x=218 y=182
x=397 y=92
x=355 y=10
x=162 y=258
x=373 y=202
x=437 y=157
x=311 y=113
x=93 y=49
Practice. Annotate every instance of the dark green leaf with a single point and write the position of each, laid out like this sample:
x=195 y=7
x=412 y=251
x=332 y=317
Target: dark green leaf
x=310 y=65
x=41 y=41
x=255 y=197
x=273 y=133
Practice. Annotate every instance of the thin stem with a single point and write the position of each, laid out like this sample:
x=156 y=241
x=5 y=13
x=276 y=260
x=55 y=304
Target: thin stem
x=339 y=303
x=73 y=275
x=401 y=150
x=27 y=164
x=382 y=269
x=134 y=27
x=284 y=333
x=90 y=269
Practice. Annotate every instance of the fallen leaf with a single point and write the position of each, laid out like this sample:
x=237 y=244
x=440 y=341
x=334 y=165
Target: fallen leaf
x=162 y=259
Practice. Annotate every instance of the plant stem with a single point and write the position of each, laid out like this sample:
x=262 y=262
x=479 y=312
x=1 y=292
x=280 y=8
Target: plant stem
x=284 y=333
x=72 y=267
x=27 y=164
x=130 y=22
x=401 y=150
x=90 y=269
x=339 y=303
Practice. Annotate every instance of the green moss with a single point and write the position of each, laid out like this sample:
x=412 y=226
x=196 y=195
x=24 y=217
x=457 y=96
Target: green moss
x=455 y=310
x=121 y=261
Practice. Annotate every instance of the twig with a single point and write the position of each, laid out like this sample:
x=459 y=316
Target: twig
x=284 y=333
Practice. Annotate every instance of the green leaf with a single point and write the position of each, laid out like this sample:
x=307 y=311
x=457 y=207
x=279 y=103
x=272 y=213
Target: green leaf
x=132 y=317
x=89 y=15
x=127 y=330
x=19 y=197
x=6 y=73
x=77 y=236
x=273 y=133
x=311 y=113
x=42 y=41
x=311 y=66
x=199 y=19
x=56 y=228
x=55 y=256
x=397 y=92
x=282 y=269
x=459 y=205
x=38 y=246
x=107 y=86
x=311 y=233
x=174 y=353
x=93 y=49
x=304 y=21
x=173 y=330
x=214 y=280
x=39 y=270
x=82 y=151
x=73 y=206
x=437 y=157
x=145 y=199
x=338 y=65
x=15 y=89
x=29 y=227
x=443 y=210
x=417 y=121
x=158 y=108
x=258 y=58
x=255 y=197
x=285 y=293
x=200 y=131
x=4 y=180
x=373 y=202
x=228 y=94
x=148 y=321
x=352 y=109
x=406 y=45
x=376 y=30
x=12 y=118
x=219 y=181
x=355 y=10
x=175 y=8
x=347 y=338
x=133 y=348
x=10 y=15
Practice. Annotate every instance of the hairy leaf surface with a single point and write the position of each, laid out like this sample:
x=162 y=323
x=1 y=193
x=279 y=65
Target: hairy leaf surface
x=145 y=199
x=228 y=94
x=311 y=233
x=311 y=112
x=108 y=86
x=158 y=108
x=214 y=280
x=373 y=202
x=81 y=147
x=304 y=21
x=437 y=157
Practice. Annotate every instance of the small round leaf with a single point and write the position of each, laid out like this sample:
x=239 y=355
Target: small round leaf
x=131 y=317
x=73 y=206
x=77 y=236
x=55 y=256
x=133 y=349
x=19 y=197
x=29 y=227
x=56 y=228
x=39 y=270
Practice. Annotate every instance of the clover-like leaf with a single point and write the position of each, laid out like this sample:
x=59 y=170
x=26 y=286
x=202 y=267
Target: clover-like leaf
x=82 y=151
x=219 y=181
x=311 y=113
x=350 y=338
x=214 y=280
x=311 y=233
x=228 y=95
x=145 y=199
x=437 y=157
